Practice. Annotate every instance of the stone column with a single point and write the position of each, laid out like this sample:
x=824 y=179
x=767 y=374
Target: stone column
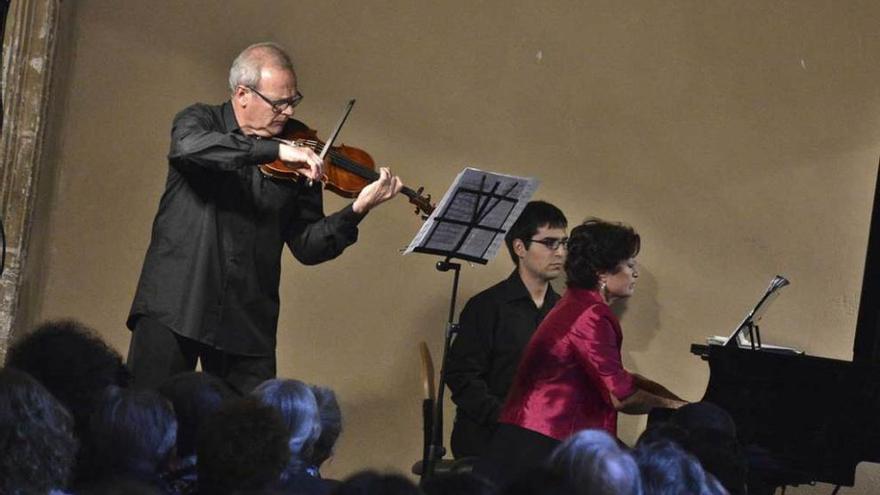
x=28 y=49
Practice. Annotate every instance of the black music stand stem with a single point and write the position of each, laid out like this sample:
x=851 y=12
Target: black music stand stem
x=436 y=450
x=484 y=202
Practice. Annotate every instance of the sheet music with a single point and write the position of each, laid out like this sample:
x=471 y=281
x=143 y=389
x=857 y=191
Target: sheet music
x=501 y=200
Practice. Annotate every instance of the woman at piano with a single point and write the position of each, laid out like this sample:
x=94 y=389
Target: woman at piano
x=571 y=376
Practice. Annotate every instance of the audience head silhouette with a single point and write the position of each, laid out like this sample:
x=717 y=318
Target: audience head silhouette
x=37 y=446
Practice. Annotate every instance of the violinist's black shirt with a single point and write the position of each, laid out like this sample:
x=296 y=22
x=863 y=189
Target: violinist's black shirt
x=213 y=266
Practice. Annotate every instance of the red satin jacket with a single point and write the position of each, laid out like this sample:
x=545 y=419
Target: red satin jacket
x=569 y=369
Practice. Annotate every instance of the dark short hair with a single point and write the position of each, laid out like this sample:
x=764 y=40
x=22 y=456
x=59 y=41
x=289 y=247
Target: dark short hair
x=597 y=246
x=331 y=424
x=243 y=446
x=711 y=438
x=705 y=416
x=719 y=454
x=132 y=432
x=36 y=436
x=667 y=468
x=70 y=360
x=535 y=215
x=663 y=432
x=194 y=395
x=373 y=483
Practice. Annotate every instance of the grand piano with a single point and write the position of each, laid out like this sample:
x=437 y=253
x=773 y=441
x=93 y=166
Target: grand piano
x=802 y=418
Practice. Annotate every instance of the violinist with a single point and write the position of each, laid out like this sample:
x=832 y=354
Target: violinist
x=208 y=289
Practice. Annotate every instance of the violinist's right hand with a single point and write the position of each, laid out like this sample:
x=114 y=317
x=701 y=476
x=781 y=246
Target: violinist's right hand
x=301 y=157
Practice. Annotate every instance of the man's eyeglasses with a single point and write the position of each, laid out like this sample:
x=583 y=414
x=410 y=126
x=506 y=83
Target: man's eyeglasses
x=281 y=105
x=552 y=243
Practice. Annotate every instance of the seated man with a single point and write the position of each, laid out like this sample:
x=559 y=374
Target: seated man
x=497 y=323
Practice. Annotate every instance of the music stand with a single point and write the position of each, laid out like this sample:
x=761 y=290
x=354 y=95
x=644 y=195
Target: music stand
x=750 y=323
x=468 y=224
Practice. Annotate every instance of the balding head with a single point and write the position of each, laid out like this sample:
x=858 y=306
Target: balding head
x=247 y=68
x=263 y=88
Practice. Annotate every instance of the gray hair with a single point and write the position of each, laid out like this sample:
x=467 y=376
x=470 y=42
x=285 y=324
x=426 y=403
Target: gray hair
x=246 y=67
x=297 y=405
x=596 y=464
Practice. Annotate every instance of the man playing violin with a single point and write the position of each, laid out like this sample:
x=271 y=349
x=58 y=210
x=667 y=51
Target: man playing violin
x=208 y=289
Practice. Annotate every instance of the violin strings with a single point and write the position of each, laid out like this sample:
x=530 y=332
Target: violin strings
x=349 y=165
x=344 y=162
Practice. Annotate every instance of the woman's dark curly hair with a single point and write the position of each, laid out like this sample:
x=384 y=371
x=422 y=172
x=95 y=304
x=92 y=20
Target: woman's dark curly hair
x=36 y=436
x=243 y=446
x=597 y=246
x=70 y=360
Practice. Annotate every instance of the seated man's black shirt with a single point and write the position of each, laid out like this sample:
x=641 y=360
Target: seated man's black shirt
x=495 y=327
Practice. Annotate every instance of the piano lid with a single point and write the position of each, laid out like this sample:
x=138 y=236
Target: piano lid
x=866 y=347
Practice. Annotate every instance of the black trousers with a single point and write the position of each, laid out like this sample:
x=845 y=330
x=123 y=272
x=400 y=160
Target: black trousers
x=469 y=438
x=156 y=354
x=512 y=452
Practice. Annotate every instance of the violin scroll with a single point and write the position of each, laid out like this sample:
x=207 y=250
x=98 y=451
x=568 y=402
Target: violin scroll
x=423 y=205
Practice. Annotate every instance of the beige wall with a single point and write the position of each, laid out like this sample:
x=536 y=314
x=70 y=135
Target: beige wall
x=740 y=138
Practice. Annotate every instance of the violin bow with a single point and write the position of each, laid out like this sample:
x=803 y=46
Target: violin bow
x=338 y=128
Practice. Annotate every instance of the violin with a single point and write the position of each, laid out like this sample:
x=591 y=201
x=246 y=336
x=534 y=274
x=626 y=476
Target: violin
x=347 y=170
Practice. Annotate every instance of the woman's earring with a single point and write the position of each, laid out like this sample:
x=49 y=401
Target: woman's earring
x=602 y=287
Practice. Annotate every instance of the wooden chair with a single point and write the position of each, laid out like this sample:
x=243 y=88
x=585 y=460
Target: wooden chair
x=429 y=398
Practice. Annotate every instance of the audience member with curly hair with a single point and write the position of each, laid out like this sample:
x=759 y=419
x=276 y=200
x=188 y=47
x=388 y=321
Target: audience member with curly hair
x=75 y=365
x=73 y=362
x=242 y=447
x=37 y=446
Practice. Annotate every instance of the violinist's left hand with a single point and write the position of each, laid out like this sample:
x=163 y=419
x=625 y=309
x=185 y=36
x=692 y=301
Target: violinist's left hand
x=381 y=190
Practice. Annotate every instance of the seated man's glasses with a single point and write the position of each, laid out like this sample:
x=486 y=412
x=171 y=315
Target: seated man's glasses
x=552 y=243
x=281 y=105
